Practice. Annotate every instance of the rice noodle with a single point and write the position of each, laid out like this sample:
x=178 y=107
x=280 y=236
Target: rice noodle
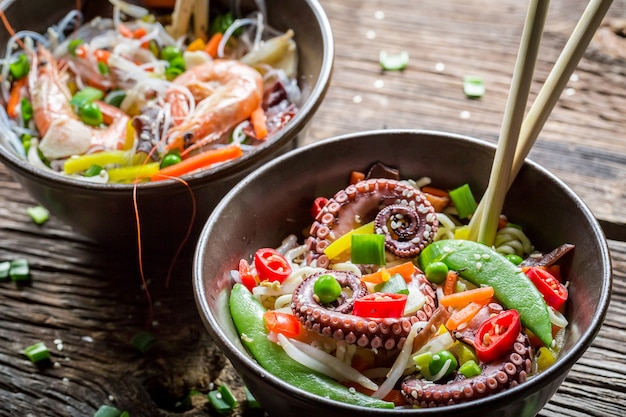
x=322 y=362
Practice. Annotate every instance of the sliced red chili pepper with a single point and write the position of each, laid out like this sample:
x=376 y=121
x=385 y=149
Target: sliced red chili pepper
x=271 y=265
x=247 y=278
x=318 y=204
x=496 y=336
x=549 y=286
x=277 y=322
x=380 y=305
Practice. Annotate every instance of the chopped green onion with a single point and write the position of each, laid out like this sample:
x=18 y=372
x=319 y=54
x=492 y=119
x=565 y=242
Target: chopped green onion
x=115 y=98
x=187 y=401
x=20 y=68
x=19 y=270
x=473 y=86
x=393 y=62
x=143 y=341
x=218 y=403
x=27 y=110
x=470 y=369
x=250 y=400
x=227 y=395
x=368 y=249
x=109 y=411
x=39 y=214
x=4 y=270
x=103 y=68
x=93 y=170
x=74 y=43
x=463 y=200
x=222 y=22
x=37 y=352
x=26 y=138
x=86 y=95
x=394 y=285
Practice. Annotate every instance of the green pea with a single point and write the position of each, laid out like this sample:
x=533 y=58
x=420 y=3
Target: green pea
x=436 y=272
x=516 y=259
x=170 y=52
x=438 y=361
x=171 y=158
x=91 y=114
x=327 y=288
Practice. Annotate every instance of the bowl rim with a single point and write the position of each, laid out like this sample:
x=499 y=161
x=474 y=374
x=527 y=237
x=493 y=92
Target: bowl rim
x=524 y=390
x=223 y=170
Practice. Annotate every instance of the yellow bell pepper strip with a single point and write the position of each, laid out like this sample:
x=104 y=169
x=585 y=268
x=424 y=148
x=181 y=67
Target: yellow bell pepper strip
x=406 y=269
x=344 y=242
x=133 y=173
x=81 y=163
x=247 y=314
x=481 y=265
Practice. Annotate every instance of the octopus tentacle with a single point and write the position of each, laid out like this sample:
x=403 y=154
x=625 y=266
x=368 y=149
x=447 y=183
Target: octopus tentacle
x=336 y=322
x=409 y=224
x=512 y=370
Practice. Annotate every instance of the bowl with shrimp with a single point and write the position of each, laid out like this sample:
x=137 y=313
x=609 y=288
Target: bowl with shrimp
x=357 y=286
x=126 y=116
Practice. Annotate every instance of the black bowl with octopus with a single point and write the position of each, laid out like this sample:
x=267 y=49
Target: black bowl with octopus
x=274 y=201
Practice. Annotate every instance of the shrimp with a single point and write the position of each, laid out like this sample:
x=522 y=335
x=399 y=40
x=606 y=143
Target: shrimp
x=63 y=133
x=226 y=92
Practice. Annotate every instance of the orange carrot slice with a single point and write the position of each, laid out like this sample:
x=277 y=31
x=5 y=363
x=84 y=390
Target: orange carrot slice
x=195 y=162
x=463 y=298
x=407 y=270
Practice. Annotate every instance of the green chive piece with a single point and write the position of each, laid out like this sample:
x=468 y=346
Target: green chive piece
x=20 y=68
x=109 y=411
x=473 y=86
x=250 y=400
x=227 y=395
x=39 y=214
x=187 y=401
x=393 y=62
x=37 y=352
x=74 y=43
x=125 y=414
x=394 y=285
x=4 y=270
x=470 y=369
x=93 y=170
x=27 y=110
x=19 y=270
x=143 y=341
x=85 y=96
x=218 y=403
x=368 y=249
x=463 y=200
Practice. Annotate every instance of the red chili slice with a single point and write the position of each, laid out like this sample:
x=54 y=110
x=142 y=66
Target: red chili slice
x=245 y=273
x=380 y=305
x=496 y=336
x=271 y=266
x=549 y=286
x=318 y=205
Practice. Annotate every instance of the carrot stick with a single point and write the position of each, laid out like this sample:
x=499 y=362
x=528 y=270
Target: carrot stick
x=463 y=315
x=356 y=176
x=259 y=123
x=202 y=160
x=439 y=203
x=450 y=283
x=463 y=298
x=213 y=44
x=15 y=96
x=407 y=270
x=434 y=191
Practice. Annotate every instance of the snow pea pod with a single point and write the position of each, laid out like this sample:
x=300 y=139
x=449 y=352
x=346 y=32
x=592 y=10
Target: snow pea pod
x=247 y=314
x=481 y=265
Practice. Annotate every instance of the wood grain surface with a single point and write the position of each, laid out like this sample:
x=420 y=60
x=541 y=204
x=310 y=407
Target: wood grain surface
x=86 y=304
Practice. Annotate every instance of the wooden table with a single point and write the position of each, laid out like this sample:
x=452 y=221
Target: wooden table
x=86 y=304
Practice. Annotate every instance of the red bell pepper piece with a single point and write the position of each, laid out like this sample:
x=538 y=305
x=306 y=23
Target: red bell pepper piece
x=496 y=336
x=318 y=205
x=271 y=266
x=549 y=286
x=247 y=278
x=380 y=305
x=277 y=322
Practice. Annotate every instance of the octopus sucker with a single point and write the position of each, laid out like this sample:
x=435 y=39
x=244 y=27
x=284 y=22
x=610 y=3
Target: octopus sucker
x=335 y=320
x=399 y=211
x=506 y=372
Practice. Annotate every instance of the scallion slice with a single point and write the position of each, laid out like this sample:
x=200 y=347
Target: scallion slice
x=473 y=86
x=394 y=285
x=37 y=352
x=39 y=214
x=218 y=403
x=19 y=270
x=393 y=62
x=143 y=341
x=250 y=400
x=109 y=411
x=368 y=249
x=463 y=200
x=4 y=270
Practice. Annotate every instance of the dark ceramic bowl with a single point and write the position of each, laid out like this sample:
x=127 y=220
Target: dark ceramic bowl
x=104 y=212
x=274 y=201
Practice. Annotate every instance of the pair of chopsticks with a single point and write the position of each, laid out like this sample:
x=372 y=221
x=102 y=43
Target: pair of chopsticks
x=181 y=16
x=518 y=134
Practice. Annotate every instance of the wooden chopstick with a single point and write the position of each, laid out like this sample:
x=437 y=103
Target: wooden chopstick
x=513 y=118
x=547 y=98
